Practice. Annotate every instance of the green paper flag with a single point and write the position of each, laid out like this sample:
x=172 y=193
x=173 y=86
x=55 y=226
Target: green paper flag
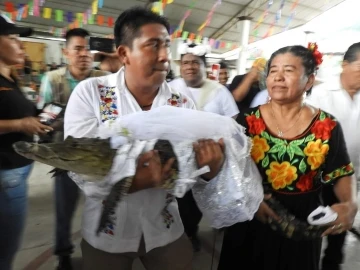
x=185 y=35
x=198 y=39
x=228 y=45
x=59 y=15
x=91 y=19
x=31 y=8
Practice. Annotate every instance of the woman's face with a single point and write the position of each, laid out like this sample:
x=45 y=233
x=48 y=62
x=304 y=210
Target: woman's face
x=11 y=52
x=286 y=81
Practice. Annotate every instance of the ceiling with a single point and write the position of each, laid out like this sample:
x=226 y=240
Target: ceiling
x=223 y=25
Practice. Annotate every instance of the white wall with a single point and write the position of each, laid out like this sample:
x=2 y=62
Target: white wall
x=53 y=49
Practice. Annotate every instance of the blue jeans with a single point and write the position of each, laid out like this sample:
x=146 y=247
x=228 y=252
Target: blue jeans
x=66 y=197
x=13 y=209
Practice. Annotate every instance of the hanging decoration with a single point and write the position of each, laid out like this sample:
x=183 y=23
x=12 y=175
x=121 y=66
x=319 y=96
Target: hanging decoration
x=36 y=8
x=292 y=15
x=264 y=15
x=159 y=6
x=180 y=27
x=59 y=16
x=209 y=16
x=47 y=13
x=94 y=7
x=9 y=7
x=276 y=20
x=100 y=3
x=75 y=20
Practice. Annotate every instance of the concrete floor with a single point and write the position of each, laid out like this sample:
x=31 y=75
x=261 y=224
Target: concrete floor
x=36 y=250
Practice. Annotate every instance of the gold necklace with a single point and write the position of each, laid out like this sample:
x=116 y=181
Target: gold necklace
x=280 y=132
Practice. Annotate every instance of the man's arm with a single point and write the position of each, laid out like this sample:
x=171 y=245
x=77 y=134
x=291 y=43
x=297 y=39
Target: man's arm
x=240 y=86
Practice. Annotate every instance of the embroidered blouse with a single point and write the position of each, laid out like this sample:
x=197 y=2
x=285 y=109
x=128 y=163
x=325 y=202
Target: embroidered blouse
x=302 y=164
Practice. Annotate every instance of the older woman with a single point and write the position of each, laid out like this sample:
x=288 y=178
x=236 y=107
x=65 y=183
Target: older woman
x=297 y=149
x=17 y=123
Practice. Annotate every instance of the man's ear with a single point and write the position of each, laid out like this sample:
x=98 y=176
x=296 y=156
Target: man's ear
x=123 y=51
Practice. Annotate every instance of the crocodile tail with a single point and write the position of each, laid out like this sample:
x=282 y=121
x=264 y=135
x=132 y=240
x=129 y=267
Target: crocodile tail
x=108 y=215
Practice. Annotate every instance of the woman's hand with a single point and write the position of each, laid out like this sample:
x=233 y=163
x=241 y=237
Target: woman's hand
x=346 y=215
x=32 y=126
x=265 y=213
x=150 y=172
x=210 y=153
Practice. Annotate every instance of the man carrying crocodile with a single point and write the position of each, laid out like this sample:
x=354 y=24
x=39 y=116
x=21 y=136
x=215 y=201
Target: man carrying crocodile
x=142 y=42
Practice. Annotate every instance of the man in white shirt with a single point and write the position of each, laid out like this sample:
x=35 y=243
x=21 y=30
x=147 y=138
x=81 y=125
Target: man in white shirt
x=340 y=96
x=209 y=96
x=138 y=229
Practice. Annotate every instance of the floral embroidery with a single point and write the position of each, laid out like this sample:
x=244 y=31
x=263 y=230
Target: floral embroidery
x=260 y=146
x=316 y=152
x=343 y=171
x=256 y=124
x=176 y=100
x=323 y=127
x=305 y=182
x=108 y=103
x=281 y=174
x=295 y=165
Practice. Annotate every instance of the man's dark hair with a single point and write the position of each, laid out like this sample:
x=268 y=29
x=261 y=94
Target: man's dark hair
x=307 y=57
x=203 y=58
x=128 y=24
x=223 y=65
x=76 y=32
x=351 y=55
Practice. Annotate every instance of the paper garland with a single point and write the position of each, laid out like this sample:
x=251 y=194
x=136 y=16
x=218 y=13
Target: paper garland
x=88 y=17
x=277 y=18
x=209 y=16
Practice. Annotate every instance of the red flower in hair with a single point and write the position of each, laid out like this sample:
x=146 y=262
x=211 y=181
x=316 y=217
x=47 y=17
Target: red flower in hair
x=313 y=47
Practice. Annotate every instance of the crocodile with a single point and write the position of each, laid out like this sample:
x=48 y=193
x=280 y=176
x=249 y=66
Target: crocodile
x=93 y=157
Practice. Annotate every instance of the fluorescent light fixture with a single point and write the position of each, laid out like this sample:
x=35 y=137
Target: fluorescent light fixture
x=94 y=51
x=230 y=53
x=213 y=55
x=48 y=38
x=234 y=57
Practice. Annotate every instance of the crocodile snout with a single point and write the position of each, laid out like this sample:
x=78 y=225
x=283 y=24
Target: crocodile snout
x=22 y=147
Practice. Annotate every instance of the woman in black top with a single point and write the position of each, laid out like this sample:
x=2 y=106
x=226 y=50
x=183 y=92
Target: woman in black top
x=18 y=122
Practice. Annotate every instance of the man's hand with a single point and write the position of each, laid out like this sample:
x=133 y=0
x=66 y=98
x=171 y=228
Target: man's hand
x=210 y=153
x=150 y=172
x=32 y=126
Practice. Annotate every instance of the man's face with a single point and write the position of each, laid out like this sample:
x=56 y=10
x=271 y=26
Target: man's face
x=352 y=70
x=78 y=54
x=223 y=76
x=149 y=56
x=192 y=69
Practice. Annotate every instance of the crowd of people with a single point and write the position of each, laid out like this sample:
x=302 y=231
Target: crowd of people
x=303 y=144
